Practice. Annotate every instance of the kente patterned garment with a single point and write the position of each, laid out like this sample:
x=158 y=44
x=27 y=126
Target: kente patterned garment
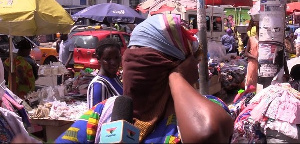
x=84 y=130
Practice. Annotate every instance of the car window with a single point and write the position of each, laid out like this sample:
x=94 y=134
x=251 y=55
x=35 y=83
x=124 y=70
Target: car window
x=193 y=21
x=217 y=24
x=89 y=42
x=117 y=38
x=126 y=38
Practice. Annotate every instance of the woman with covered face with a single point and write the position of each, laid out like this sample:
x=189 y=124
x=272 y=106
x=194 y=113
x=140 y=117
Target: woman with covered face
x=159 y=67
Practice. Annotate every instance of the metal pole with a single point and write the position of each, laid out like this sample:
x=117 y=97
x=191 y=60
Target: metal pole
x=12 y=73
x=271 y=40
x=11 y=57
x=203 y=65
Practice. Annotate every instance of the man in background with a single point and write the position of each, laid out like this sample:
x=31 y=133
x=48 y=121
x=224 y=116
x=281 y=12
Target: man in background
x=65 y=49
x=297 y=41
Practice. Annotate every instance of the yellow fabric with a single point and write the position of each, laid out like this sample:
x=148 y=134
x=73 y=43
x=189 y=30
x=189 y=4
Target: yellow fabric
x=93 y=121
x=71 y=134
x=90 y=132
x=240 y=42
x=33 y=17
x=252 y=32
x=143 y=126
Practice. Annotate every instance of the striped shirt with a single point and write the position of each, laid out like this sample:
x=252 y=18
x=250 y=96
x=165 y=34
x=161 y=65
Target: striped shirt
x=101 y=88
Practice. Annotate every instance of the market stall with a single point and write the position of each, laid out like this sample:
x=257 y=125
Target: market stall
x=270 y=116
x=56 y=107
x=226 y=71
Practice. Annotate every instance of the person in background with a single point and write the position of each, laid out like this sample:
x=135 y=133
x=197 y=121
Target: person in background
x=166 y=108
x=228 y=41
x=25 y=80
x=297 y=41
x=251 y=29
x=65 y=48
x=106 y=84
x=226 y=24
x=252 y=53
x=245 y=39
x=34 y=65
x=117 y=26
x=69 y=74
x=230 y=23
x=295 y=75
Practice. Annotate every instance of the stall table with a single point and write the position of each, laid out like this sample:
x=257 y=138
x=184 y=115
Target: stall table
x=52 y=129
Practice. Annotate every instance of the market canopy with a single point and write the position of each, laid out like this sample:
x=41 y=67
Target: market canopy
x=157 y=6
x=110 y=13
x=291 y=7
x=33 y=17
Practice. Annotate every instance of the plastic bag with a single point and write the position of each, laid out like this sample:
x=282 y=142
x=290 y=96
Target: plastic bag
x=216 y=50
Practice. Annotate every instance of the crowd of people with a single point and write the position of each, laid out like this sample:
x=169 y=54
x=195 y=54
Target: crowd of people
x=159 y=68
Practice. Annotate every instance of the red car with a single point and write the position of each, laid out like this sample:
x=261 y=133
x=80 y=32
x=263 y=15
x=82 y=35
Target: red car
x=86 y=43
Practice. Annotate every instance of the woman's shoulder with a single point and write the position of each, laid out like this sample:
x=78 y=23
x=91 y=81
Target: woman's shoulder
x=97 y=78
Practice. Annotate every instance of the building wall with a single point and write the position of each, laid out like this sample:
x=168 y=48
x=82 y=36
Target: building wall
x=289 y=1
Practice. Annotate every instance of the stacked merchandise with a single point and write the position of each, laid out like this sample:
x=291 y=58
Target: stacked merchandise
x=79 y=84
x=53 y=103
x=272 y=115
x=13 y=117
x=58 y=110
x=233 y=74
x=214 y=79
x=13 y=103
x=232 y=68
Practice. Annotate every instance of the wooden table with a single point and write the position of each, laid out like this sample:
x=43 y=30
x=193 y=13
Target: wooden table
x=52 y=128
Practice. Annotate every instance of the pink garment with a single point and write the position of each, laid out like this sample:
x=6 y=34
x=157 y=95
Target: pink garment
x=259 y=111
x=13 y=102
x=105 y=116
x=6 y=104
x=252 y=68
x=272 y=111
x=289 y=109
x=278 y=102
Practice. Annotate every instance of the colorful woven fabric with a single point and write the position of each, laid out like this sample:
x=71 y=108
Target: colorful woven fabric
x=84 y=129
x=218 y=101
x=163 y=33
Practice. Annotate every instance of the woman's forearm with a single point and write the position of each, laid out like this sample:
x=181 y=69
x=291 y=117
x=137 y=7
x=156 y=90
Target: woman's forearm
x=199 y=119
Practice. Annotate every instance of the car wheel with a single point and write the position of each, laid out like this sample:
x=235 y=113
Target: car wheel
x=50 y=59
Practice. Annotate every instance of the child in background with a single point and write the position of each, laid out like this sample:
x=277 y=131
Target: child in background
x=69 y=74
